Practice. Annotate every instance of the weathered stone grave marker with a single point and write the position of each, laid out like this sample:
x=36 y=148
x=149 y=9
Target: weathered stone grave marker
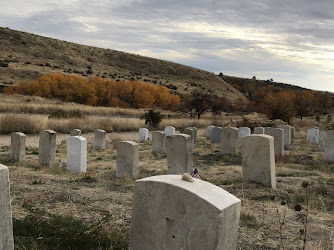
x=216 y=135
x=76 y=154
x=170 y=213
x=143 y=134
x=229 y=141
x=99 y=139
x=169 y=130
x=287 y=135
x=312 y=135
x=278 y=134
x=127 y=159
x=75 y=132
x=209 y=131
x=242 y=132
x=47 y=148
x=158 y=142
x=17 y=146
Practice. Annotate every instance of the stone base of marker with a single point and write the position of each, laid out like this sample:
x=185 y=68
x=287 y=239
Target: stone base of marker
x=6 y=226
x=258 y=159
x=17 y=146
x=143 y=134
x=179 y=154
x=99 y=139
x=76 y=154
x=170 y=213
x=127 y=159
x=47 y=148
x=158 y=142
x=229 y=141
x=75 y=132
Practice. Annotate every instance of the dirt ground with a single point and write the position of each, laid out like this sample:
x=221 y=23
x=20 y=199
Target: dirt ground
x=97 y=197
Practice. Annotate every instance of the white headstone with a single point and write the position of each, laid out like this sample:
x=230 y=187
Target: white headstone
x=179 y=154
x=229 y=141
x=99 y=139
x=75 y=132
x=278 y=134
x=216 y=135
x=313 y=135
x=258 y=130
x=76 y=154
x=242 y=132
x=329 y=118
x=169 y=130
x=287 y=135
x=191 y=132
x=17 y=146
x=143 y=134
x=6 y=226
x=322 y=140
x=329 y=146
x=209 y=131
x=170 y=213
x=258 y=159
x=158 y=142
x=47 y=148
x=292 y=129
x=127 y=159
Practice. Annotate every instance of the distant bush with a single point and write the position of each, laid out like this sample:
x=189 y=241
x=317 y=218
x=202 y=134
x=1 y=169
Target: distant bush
x=62 y=114
x=153 y=118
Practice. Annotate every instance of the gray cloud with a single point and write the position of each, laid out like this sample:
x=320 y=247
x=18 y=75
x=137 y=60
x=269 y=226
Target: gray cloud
x=289 y=40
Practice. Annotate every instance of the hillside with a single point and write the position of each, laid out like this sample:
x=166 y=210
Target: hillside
x=25 y=56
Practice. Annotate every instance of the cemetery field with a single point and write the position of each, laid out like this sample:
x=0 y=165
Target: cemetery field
x=54 y=209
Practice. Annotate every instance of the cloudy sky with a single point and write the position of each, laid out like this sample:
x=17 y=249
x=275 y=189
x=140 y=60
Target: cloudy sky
x=291 y=41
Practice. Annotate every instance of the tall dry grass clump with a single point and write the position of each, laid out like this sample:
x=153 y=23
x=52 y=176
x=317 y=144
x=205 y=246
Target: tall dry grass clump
x=21 y=123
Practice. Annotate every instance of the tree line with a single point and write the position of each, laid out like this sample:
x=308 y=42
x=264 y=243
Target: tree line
x=98 y=92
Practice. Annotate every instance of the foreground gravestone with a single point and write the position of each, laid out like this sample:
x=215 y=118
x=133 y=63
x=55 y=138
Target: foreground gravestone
x=329 y=118
x=127 y=159
x=99 y=139
x=242 y=132
x=209 y=131
x=169 y=130
x=321 y=140
x=278 y=134
x=47 y=148
x=312 y=135
x=329 y=146
x=6 y=226
x=170 y=213
x=191 y=132
x=143 y=134
x=258 y=159
x=158 y=142
x=216 y=135
x=179 y=154
x=287 y=135
x=76 y=154
x=258 y=130
x=229 y=141
x=17 y=146
x=75 y=132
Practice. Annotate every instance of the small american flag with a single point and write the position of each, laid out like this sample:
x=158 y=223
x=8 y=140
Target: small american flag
x=195 y=174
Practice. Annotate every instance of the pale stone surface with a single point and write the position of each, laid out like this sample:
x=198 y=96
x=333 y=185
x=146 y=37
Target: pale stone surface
x=179 y=154
x=242 y=132
x=321 y=141
x=312 y=135
x=293 y=130
x=287 y=135
x=6 y=226
x=216 y=135
x=190 y=131
x=259 y=130
x=99 y=139
x=127 y=159
x=169 y=130
x=170 y=213
x=75 y=132
x=47 y=148
x=258 y=159
x=158 y=142
x=278 y=134
x=329 y=146
x=17 y=146
x=76 y=154
x=143 y=134
x=229 y=141
x=195 y=133
x=209 y=131
x=329 y=118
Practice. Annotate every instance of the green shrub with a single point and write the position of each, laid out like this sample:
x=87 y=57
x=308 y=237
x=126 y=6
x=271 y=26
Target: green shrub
x=153 y=118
